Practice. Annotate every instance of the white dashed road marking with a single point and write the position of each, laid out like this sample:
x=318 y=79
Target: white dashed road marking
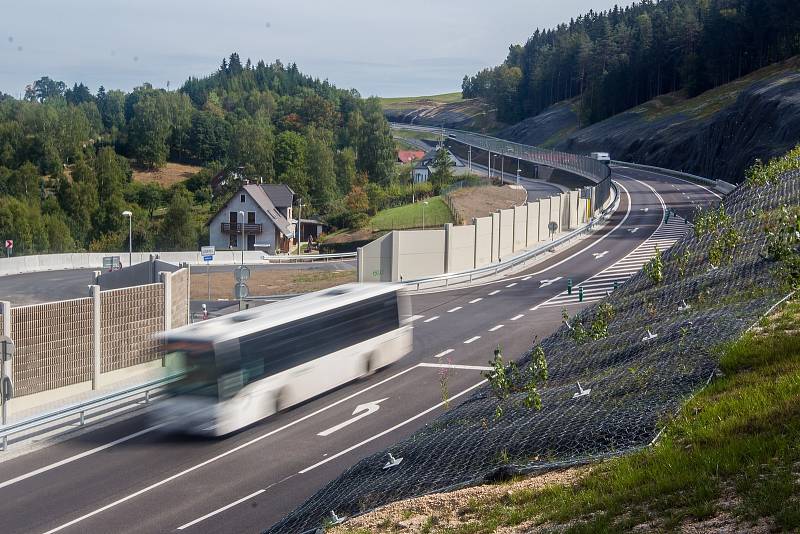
x=495 y=292
x=498 y=327
x=431 y=319
x=520 y=316
x=454 y=309
x=470 y=340
x=473 y=301
x=443 y=353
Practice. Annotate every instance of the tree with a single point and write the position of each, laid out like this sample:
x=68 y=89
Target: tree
x=376 y=151
x=148 y=132
x=44 y=89
x=321 y=169
x=290 y=152
x=345 y=169
x=251 y=147
x=442 y=170
x=177 y=230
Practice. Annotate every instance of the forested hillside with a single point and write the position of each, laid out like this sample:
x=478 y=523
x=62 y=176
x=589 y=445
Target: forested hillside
x=66 y=154
x=612 y=61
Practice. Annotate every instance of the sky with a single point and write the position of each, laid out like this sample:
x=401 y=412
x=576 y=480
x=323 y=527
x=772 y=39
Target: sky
x=379 y=47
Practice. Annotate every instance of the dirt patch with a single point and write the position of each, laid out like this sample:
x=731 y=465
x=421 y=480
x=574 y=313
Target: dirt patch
x=169 y=174
x=451 y=510
x=269 y=282
x=483 y=201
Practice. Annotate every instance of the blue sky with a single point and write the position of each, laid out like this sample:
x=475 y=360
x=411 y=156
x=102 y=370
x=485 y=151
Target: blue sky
x=380 y=47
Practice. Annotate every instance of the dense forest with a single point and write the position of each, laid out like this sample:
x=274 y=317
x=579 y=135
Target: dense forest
x=66 y=154
x=615 y=60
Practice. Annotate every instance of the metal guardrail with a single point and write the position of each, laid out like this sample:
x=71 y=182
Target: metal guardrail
x=720 y=185
x=310 y=257
x=446 y=280
x=80 y=409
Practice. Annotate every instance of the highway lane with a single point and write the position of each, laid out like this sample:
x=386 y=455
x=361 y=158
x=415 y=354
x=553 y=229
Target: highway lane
x=449 y=319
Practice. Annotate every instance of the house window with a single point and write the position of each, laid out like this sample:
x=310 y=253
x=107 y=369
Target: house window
x=251 y=217
x=234 y=242
x=241 y=198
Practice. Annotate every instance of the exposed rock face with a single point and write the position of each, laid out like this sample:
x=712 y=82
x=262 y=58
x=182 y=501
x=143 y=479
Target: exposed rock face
x=472 y=114
x=545 y=129
x=762 y=122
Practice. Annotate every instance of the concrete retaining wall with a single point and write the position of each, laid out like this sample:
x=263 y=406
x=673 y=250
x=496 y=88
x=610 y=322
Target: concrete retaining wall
x=533 y=224
x=506 y=233
x=460 y=248
x=520 y=228
x=483 y=241
x=419 y=253
x=375 y=260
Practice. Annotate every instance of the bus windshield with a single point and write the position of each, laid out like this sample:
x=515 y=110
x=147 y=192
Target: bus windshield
x=198 y=367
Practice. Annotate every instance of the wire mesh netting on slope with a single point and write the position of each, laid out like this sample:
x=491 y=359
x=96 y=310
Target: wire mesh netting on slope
x=635 y=379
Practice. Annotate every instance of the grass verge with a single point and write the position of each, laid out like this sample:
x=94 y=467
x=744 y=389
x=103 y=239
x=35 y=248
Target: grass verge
x=730 y=460
x=436 y=213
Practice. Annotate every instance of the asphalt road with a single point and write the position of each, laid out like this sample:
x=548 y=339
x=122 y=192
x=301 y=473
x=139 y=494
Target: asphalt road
x=47 y=286
x=128 y=478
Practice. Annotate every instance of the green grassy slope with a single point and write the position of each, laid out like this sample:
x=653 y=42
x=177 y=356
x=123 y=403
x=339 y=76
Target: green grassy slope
x=410 y=216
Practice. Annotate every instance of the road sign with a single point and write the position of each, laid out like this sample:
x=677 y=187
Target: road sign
x=242 y=274
x=9 y=243
x=362 y=410
x=7 y=387
x=6 y=348
x=207 y=251
x=208 y=258
x=240 y=291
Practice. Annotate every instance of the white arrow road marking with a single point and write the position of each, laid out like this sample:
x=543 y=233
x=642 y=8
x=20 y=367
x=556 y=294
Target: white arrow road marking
x=431 y=319
x=598 y=255
x=444 y=353
x=362 y=410
x=633 y=230
x=545 y=283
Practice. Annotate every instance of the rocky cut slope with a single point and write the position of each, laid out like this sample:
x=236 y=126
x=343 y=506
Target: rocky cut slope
x=717 y=134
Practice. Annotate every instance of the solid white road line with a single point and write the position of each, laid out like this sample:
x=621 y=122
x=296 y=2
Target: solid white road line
x=454 y=309
x=84 y=454
x=389 y=430
x=431 y=319
x=220 y=510
x=495 y=292
x=222 y=455
x=470 y=340
x=473 y=301
x=443 y=353
x=456 y=366
x=520 y=316
x=495 y=328
x=625 y=218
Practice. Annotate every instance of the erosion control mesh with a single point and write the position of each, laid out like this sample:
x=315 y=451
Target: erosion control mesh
x=635 y=382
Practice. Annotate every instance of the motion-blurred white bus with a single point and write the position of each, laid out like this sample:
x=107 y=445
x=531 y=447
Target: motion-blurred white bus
x=248 y=365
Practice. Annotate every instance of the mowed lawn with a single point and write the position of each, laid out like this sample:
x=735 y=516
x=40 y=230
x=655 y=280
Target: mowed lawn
x=410 y=216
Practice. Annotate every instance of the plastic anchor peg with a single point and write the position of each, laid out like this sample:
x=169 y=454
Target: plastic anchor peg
x=393 y=462
x=335 y=519
x=649 y=336
x=581 y=392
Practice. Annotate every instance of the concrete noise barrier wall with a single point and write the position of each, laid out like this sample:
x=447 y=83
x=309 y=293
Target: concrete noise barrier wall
x=414 y=254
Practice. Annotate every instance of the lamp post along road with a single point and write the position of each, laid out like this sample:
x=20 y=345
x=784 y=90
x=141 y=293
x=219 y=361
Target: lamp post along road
x=299 y=215
x=129 y=215
x=423 y=213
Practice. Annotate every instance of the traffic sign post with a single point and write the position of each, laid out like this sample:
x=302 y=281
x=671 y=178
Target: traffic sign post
x=6 y=384
x=208 y=256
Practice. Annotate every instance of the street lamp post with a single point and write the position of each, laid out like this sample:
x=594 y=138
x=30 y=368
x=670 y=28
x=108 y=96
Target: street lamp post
x=518 y=171
x=423 y=213
x=490 y=165
x=129 y=215
x=299 y=224
x=243 y=219
x=495 y=168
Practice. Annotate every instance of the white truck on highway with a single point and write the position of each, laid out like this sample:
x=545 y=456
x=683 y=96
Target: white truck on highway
x=605 y=157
